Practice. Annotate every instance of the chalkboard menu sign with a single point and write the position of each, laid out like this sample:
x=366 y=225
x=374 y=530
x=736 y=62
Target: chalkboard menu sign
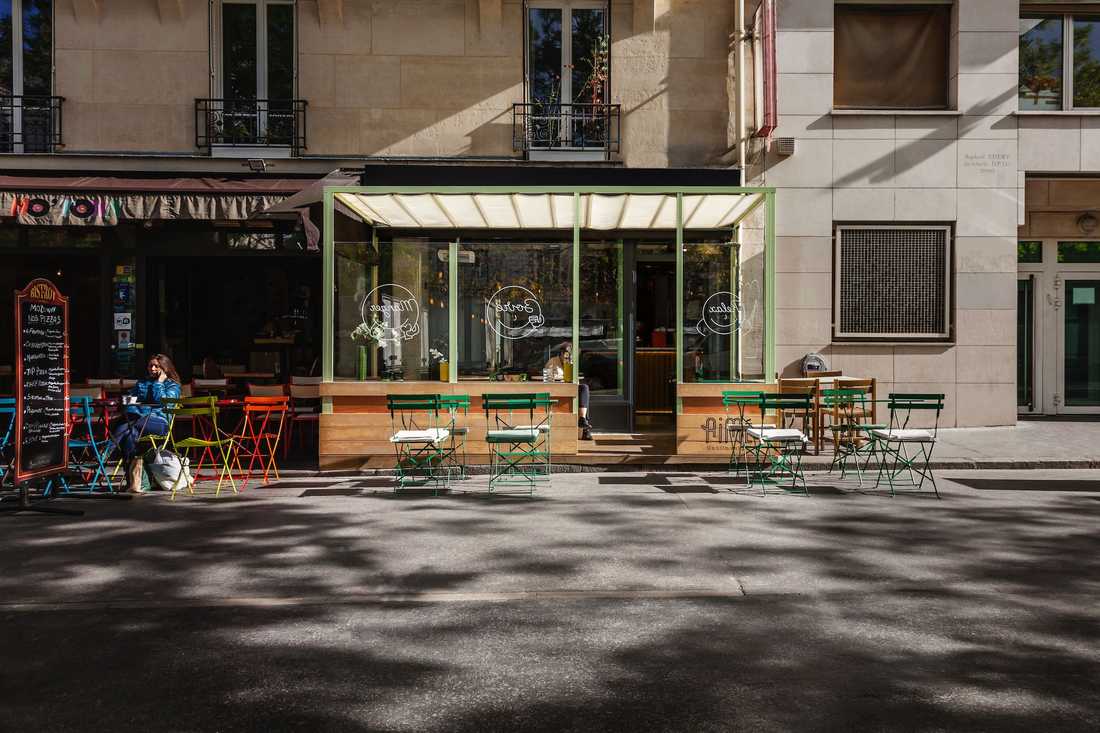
x=41 y=380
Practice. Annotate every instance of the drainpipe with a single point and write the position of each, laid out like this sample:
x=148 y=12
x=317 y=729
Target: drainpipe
x=739 y=93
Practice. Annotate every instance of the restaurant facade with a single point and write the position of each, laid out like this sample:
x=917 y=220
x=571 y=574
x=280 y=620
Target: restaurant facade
x=688 y=194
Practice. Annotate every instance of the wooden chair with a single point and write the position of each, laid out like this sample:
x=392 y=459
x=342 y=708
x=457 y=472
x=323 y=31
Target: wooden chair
x=305 y=411
x=266 y=390
x=810 y=386
x=209 y=386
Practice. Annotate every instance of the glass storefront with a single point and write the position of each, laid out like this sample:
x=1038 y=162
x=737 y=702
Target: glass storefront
x=391 y=308
x=515 y=306
x=640 y=292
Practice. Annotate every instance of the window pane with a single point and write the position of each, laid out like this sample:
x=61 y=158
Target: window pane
x=239 y=51
x=723 y=307
x=1082 y=343
x=601 y=337
x=515 y=307
x=589 y=77
x=544 y=71
x=1040 y=63
x=1088 y=252
x=1086 y=63
x=391 y=309
x=280 y=51
x=1025 y=337
x=37 y=47
x=5 y=51
x=1029 y=252
x=891 y=57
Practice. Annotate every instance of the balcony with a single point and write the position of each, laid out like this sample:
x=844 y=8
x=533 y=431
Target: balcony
x=545 y=131
x=30 y=124
x=247 y=126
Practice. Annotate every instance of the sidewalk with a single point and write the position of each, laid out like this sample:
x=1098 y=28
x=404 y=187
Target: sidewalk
x=1049 y=444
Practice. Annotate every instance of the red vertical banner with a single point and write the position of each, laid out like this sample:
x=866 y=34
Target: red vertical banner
x=765 y=70
x=41 y=381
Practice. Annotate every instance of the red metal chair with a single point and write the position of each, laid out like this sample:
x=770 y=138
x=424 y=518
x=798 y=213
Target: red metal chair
x=261 y=431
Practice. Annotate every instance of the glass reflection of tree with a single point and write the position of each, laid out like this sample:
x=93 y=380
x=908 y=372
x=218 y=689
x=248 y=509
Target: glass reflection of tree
x=589 y=72
x=1041 y=61
x=280 y=74
x=37 y=47
x=1086 y=65
x=37 y=54
x=544 y=57
x=239 y=73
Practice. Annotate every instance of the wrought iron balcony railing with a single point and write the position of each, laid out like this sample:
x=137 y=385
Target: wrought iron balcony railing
x=251 y=123
x=30 y=124
x=578 y=127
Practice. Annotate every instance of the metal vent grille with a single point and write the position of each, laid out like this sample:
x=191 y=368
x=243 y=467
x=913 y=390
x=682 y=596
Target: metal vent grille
x=893 y=282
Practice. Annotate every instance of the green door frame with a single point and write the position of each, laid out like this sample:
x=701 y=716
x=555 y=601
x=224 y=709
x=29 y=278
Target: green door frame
x=766 y=196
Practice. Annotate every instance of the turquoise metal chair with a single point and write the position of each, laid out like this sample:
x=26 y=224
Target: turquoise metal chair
x=7 y=429
x=518 y=436
x=419 y=440
x=906 y=451
x=87 y=454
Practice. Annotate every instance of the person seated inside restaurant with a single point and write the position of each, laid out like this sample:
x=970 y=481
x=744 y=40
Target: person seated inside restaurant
x=145 y=415
x=555 y=369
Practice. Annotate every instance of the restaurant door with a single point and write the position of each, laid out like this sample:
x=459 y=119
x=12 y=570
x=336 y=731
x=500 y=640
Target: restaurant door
x=1078 y=342
x=628 y=334
x=1058 y=327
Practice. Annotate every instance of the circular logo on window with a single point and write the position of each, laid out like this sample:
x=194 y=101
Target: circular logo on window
x=513 y=312
x=719 y=314
x=391 y=316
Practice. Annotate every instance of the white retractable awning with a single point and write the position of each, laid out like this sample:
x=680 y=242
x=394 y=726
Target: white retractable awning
x=634 y=211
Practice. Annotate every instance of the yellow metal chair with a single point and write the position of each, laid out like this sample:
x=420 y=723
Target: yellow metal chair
x=207 y=438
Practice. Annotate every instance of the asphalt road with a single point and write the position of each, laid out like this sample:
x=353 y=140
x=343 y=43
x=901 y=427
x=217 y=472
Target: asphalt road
x=607 y=602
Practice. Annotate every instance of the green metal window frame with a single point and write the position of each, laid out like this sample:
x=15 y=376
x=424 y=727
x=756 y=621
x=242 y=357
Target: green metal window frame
x=766 y=198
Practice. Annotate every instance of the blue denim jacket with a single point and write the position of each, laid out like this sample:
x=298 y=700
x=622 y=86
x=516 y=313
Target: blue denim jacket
x=153 y=392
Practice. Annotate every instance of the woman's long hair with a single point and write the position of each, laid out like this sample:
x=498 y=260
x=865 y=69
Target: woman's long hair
x=166 y=366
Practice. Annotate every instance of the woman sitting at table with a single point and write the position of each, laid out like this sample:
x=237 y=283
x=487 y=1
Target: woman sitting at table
x=145 y=414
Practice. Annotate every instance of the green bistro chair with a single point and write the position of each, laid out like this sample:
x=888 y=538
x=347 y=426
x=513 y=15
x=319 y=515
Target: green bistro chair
x=419 y=440
x=906 y=451
x=853 y=444
x=518 y=435
x=777 y=449
x=737 y=402
x=454 y=453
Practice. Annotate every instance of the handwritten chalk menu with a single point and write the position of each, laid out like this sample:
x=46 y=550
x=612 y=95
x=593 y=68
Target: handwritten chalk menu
x=41 y=380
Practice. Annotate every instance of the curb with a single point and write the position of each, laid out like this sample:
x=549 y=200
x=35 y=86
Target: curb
x=698 y=467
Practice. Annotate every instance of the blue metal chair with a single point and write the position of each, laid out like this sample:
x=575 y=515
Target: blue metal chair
x=87 y=454
x=7 y=428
